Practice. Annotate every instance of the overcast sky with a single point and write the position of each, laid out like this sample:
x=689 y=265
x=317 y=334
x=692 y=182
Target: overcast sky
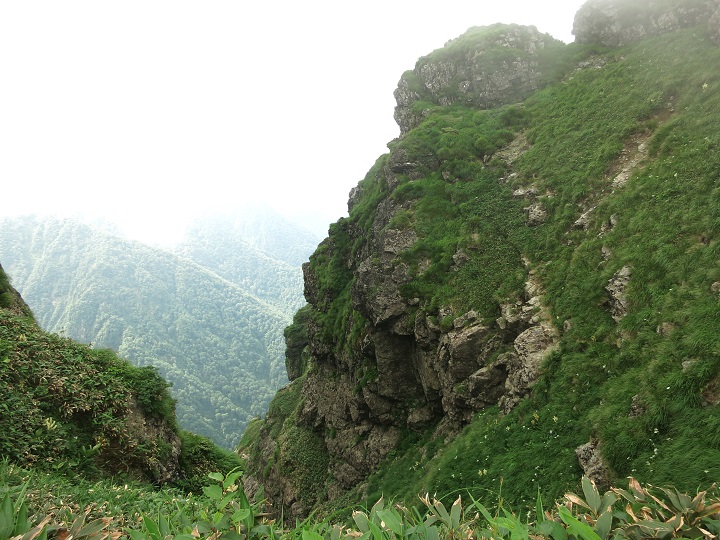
x=148 y=112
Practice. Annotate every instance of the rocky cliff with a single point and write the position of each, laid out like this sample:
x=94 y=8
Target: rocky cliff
x=484 y=68
x=510 y=296
x=616 y=22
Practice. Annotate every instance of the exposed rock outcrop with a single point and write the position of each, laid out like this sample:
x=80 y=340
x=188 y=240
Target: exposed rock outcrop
x=616 y=288
x=152 y=432
x=593 y=465
x=616 y=23
x=481 y=68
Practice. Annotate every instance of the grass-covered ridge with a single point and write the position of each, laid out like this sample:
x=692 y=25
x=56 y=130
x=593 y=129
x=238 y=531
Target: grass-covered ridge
x=664 y=353
x=642 y=385
x=194 y=317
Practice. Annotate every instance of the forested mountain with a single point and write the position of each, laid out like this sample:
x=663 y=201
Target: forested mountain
x=527 y=287
x=219 y=342
x=259 y=226
x=257 y=250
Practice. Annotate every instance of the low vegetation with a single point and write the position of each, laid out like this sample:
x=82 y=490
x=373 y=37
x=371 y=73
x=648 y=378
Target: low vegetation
x=39 y=506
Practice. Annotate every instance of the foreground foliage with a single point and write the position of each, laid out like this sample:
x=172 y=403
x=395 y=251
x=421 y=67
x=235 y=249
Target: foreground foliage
x=37 y=507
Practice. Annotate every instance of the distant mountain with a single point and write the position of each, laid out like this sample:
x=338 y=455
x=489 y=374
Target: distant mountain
x=260 y=227
x=256 y=249
x=215 y=332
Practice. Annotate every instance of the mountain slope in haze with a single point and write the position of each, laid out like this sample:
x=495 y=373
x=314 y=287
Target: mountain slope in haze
x=527 y=286
x=257 y=250
x=220 y=346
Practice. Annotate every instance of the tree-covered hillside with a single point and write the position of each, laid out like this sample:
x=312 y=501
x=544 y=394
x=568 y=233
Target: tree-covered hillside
x=220 y=346
x=255 y=249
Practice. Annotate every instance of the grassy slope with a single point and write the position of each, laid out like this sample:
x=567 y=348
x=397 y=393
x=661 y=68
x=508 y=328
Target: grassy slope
x=667 y=229
x=202 y=332
x=65 y=408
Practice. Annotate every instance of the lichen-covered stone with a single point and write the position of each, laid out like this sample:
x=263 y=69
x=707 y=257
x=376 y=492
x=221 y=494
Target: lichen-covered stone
x=485 y=67
x=617 y=291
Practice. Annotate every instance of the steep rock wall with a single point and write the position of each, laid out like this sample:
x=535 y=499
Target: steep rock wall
x=485 y=67
x=616 y=23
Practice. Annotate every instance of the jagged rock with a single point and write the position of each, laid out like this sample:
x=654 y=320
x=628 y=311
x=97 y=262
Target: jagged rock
x=536 y=214
x=715 y=287
x=665 y=328
x=593 y=464
x=463 y=351
x=688 y=363
x=401 y=165
x=523 y=366
x=376 y=290
x=427 y=331
x=397 y=380
x=486 y=386
x=514 y=150
x=711 y=393
x=616 y=23
x=459 y=258
x=465 y=71
x=466 y=319
x=150 y=431
x=530 y=191
x=421 y=417
x=616 y=288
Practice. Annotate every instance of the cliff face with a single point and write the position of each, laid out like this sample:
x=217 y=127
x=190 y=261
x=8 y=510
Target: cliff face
x=496 y=299
x=485 y=67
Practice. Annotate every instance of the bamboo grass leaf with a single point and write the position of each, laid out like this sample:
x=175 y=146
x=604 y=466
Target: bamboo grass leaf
x=603 y=525
x=591 y=495
x=362 y=521
x=577 y=527
x=552 y=529
x=311 y=535
x=151 y=527
x=391 y=521
x=456 y=513
x=232 y=477
x=22 y=524
x=7 y=517
x=93 y=528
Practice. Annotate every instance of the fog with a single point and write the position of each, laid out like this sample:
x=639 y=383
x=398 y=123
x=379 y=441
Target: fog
x=144 y=114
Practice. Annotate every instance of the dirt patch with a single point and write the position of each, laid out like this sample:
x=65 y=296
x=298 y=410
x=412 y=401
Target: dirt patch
x=634 y=153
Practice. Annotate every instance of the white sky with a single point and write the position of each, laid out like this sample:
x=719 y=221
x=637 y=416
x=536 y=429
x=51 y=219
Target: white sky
x=146 y=112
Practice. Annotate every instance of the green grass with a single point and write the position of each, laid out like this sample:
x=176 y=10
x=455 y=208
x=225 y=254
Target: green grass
x=47 y=506
x=667 y=229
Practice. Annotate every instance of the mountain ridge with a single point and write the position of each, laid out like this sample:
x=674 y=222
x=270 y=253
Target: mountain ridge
x=522 y=293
